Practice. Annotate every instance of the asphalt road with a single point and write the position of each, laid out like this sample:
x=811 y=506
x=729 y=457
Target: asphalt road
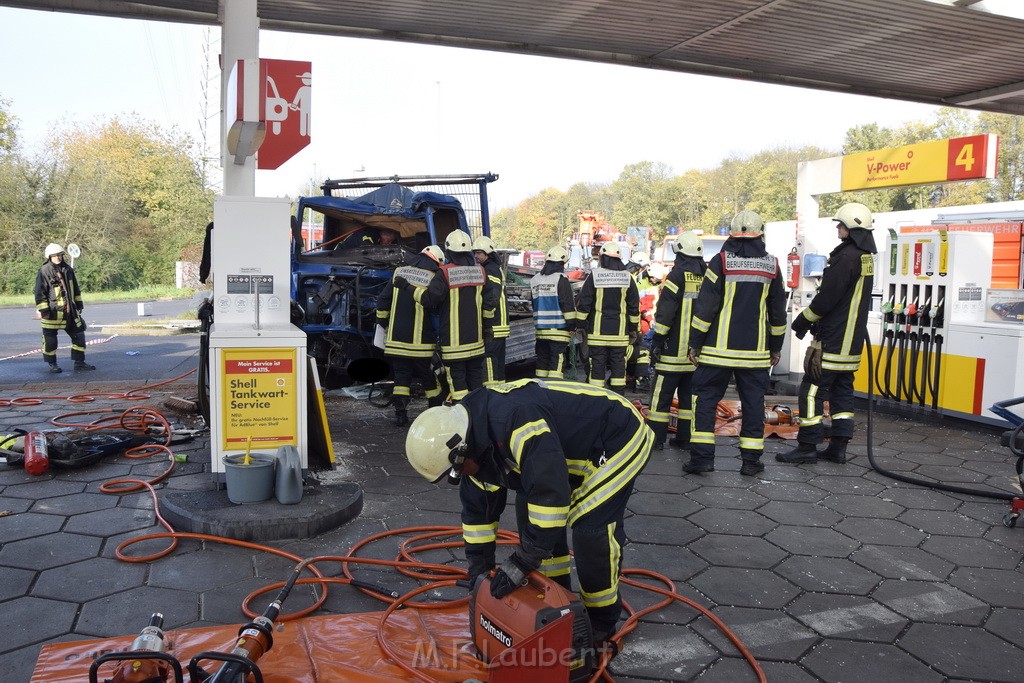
x=118 y=356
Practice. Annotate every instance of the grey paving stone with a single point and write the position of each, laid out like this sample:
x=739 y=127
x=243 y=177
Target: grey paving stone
x=789 y=491
x=27 y=525
x=744 y=587
x=950 y=475
x=664 y=652
x=663 y=504
x=813 y=541
x=678 y=612
x=15 y=582
x=903 y=563
x=11 y=506
x=799 y=514
x=921 y=499
x=88 y=580
x=397 y=484
x=664 y=530
x=43 y=487
x=49 y=550
x=19 y=665
x=838 y=660
x=862 y=506
x=932 y=458
x=766 y=633
x=25 y=613
x=223 y=605
x=739 y=522
x=997 y=587
x=202 y=570
x=111 y=615
x=850 y=617
x=848 y=484
x=1005 y=623
x=931 y=602
x=972 y=552
x=880 y=531
x=659 y=483
x=99 y=473
x=943 y=523
x=441 y=500
x=734 y=669
x=987 y=513
x=112 y=521
x=74 y=504
x=828 y=575
x=678 y=564
x=727 y=498
x=970 y=653
x=737 y=551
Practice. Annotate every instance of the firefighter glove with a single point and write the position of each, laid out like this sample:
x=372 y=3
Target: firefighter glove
x=633 y=336
x=657 y=348
x=812 y=361
x=800 y=326
x=488 y=333
x=693 y=356
x=512 y=574
x=401 y=283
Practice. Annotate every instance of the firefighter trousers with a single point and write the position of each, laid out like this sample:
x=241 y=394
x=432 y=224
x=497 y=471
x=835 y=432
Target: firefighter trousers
x=667 y=385
x=405 y=369
x=494 y=361
x=837 y=389
x=464 y=376
x=608 y=360
x=77 y=334
x=709 y=385
x=550 y=357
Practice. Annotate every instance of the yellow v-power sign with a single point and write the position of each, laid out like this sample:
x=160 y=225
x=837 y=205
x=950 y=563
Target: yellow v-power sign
x=938 y=161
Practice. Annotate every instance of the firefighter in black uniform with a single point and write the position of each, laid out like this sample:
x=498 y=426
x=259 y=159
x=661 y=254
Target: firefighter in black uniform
x=496 y=329
x=456 y=294
x=59 y=302
x=836 y=318
x=554 y=313
x=609 y=314
x=739 y=324
x=411 y=339
x=571 y=452
x=673 y=370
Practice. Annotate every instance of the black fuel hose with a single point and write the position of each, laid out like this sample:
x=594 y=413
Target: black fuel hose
x=997 y=495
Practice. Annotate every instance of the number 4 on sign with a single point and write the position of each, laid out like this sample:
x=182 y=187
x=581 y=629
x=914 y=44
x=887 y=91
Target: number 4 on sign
x=966 y=157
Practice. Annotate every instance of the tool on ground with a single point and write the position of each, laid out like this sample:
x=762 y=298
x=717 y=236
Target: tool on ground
x=145 y=662
x=500 y=624
x=254 y=640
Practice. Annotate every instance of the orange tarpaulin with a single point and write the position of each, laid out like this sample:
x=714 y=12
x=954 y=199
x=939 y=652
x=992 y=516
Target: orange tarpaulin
x=324 y=649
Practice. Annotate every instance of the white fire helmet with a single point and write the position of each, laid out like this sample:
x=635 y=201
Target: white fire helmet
x=436 y=440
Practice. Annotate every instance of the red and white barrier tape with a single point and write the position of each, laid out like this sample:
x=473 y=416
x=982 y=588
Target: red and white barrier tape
x=29 y=353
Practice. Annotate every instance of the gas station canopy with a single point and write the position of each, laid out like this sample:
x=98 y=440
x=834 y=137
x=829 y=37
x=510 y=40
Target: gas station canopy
x=940 y=52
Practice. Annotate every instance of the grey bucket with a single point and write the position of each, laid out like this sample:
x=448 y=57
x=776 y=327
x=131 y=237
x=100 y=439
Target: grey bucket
x=252 y=483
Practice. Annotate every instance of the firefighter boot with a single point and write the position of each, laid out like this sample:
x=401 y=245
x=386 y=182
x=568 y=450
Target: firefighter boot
x=836 y=450
x=401 y=411
x=682 y=438
x=660 y=430
x=694 y=467
x=803 y=453
x=752 y=464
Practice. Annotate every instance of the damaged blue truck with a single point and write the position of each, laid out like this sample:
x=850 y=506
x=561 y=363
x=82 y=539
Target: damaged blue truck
x=339 y=267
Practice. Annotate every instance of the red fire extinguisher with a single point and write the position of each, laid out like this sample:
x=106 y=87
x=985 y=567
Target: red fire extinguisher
x=793 y=269
x=37 y=460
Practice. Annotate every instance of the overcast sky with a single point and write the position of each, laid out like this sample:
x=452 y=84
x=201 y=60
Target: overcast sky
x=381 y=108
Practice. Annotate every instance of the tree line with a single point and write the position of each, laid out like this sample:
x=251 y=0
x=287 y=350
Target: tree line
x=132 y=195
x=135 y=196
x=649 y=194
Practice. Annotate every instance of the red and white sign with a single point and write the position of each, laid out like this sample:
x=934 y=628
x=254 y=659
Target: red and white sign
x=277 y=94
x=287 y=97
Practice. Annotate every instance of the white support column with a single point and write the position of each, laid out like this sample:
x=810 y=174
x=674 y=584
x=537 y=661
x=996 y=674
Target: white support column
x=240 y=39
